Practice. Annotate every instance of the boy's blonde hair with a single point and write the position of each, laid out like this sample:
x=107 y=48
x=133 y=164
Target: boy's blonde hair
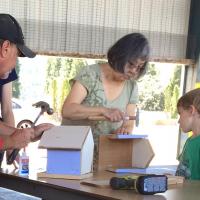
x=190 y=98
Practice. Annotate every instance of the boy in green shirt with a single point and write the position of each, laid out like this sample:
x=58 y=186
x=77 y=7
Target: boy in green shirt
x=189 y=110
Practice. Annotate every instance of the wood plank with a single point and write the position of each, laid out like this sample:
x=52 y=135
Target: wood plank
x=64 y=176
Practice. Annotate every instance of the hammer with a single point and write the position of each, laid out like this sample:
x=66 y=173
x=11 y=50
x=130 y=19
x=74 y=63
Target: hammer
x=44 y=108
x=102 y=118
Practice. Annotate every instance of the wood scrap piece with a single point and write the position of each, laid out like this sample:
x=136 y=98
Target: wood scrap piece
x=173 y=180
x=64 y=176
x=97 y=183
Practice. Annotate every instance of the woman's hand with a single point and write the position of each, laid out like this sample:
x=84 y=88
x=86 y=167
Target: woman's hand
x=122 y=130
x=114 y=114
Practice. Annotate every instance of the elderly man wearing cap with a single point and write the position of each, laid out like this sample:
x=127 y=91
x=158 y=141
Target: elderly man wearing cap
x=12 y=45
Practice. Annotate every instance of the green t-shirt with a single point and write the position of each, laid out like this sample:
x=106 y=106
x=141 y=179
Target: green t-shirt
x=90 y=78
x=189 y=165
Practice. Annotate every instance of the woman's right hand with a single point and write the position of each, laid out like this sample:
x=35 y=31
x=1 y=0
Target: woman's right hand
x=114 y=114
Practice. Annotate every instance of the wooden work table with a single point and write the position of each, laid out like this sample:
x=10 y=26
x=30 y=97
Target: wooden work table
x=62 y=189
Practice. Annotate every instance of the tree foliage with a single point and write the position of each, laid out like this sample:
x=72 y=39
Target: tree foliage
x=171 y=93
x=151 y=97
x=16 y=85
x=58 y=75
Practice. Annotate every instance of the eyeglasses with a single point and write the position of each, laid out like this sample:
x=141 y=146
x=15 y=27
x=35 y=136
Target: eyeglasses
x=19 y=53
x=136 y=65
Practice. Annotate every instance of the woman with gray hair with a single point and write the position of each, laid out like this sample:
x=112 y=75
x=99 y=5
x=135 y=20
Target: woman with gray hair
x=109 y=90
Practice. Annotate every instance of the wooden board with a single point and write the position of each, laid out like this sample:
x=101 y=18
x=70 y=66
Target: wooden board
x=159 y=169
x=64 y=176
x=64 y=137
x=124 y=153
x=112 y=155
x=174 y=180
x=97 y=183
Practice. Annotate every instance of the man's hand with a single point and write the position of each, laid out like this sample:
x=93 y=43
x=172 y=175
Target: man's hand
x=19 y=139
x=16 y=161
x=39 y=129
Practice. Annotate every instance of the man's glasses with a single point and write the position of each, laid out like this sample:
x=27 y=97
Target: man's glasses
x=19 y=53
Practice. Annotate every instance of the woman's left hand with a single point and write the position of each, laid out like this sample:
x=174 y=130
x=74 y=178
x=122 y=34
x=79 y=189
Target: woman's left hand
x=122 y=130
